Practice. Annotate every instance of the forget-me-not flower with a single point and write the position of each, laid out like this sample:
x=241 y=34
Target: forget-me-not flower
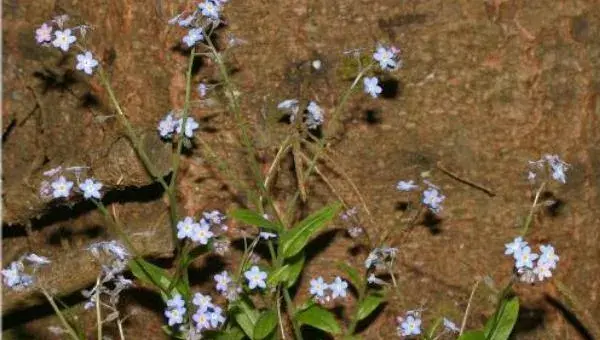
x=256 y=278
x=318 y=287
x=86 y=62
x=63 y=39
x=61 y=187
x=43 y=34
x=372 y=86
x=91 y=189
x=338 y=288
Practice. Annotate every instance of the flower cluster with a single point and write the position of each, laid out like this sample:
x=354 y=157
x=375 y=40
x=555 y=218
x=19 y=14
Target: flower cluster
x=381 y=258
x=204 y=16
x=197 y=232
x=314 y=114
x=54 y=33
x=531 y=265
x=431 y=196
x=410 y=324
x=350 y=217
x=208 y=316
x=552 y=164
x=19 y=274
x=171 y=124
x=58 y=186
x=325 y=292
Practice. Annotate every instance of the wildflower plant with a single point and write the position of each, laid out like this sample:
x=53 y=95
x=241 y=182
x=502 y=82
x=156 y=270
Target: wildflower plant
x=255 y=295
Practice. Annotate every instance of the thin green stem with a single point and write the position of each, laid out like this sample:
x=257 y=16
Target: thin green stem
x=291 y=312
x=72 y=333
x=532 y=210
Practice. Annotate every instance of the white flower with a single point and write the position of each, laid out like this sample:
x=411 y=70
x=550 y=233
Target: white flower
x=266 y=235
x=514 y=247
x=406 y=185
x=318 y=287
x=256 y=278
x=176 y=301
x=37 y=260
x=63 y=39
x=525 y=258
x=315 y=115
x=558 y=168
x=86 y=62
x=542 y=270
x=175 y=315
x=90 y=189
x=387 y=58
x=338 y=288
x=209 y=9
x=193 y=36
x=43 y=34
x=201 y=234
x=202 y=320
x=450 y=326
x=548 y=256
x=61 y=187
x=190 y=126
x=372 y=86
x=186 y=228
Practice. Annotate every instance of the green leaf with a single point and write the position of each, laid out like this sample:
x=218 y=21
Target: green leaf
x=254 y=218
x=500 y=325
x=265 y=325
x=232 y=333
x=368 y=305
x=353 y=275
x=296 y=264
x=279 y=275
x=295 y=239
x=318 y=317
x=157 y=277
x=472 y=335
x=171 y=334
x=246 y=316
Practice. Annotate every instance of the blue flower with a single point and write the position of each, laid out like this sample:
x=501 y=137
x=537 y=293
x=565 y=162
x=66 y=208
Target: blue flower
x=61 y=187
x=410 y=326
x=186 y=228
x=387 y=57
x=514 y=247
x=372 y=87
x=223 y=280
x=256 y=278
x=86 y=62
x=167 y=126
x=201 y=233
x=203 y=302
x=193 y=36
x=63 y=39
x=318 y=287
x=91 y=188
x=525 y=258
x=190 y=126
x=175 y=315
x=210 y=9
x=338 y=288
x=315 y=115
x=433 y=199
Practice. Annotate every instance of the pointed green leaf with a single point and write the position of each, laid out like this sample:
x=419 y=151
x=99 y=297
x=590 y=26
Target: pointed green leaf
x=246 y=316
x=353 y=275
x=472 y=335
x=253 y=218
x=318 y=317
x=295 y=239
x=279 y=275
x=368 y=305
x=156 y=276
x=296 y=264
x=265 y=325
x=500 y=325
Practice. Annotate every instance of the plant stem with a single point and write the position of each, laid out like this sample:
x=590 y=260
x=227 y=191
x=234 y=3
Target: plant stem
x=72 y=333
x=98 y=309
x=290 y=308
x=532 y=210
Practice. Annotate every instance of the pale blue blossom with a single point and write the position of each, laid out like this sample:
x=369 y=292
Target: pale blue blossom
x=15 y=277
x=410 y=326
x=210 y=9
x=387 y=57
x=548 y=256
x=186 y=228
x=433 y=199
x=61 y=187
x=43 y=34
x=314 y=115
x=215 y=317
x=86 y=62
x=338 y=288
x=201 y=233
x=256 y=278
x=406 y=185
x=167 y=126
x=175 y=315
x=524 y=257
x=190 y=126
x=202 y=320
x=318 y=287
x=203 y=302
x=223 y=280
x=372 y=86
x=193 y=36
x=91 y=189
x=176 y=301
x=63 y=39
x=515 y=246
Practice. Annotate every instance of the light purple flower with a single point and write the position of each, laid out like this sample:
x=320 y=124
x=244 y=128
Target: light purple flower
x=176 y=301
x=525 y=257
x=86 y=62
x=215 y=317
x=410 y=326
x=175 y=315
x=167 y=126
x=210 y=9
x=387 y=58
x=433 y=199
x=190 y=126
x=63 y=39
x=515 y=246
x=201 y=318
x=43 y=34
x=223 y=280
x=201 y=90
x=186 y=228
x=372 y=86
x=203 y=302
x=542 y=270
x=406 y=185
